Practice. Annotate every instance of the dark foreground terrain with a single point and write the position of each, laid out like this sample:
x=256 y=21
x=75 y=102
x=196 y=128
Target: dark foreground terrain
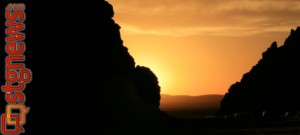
x=239 y=126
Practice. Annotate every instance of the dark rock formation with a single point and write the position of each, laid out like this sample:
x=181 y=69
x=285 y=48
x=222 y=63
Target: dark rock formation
x=84 y=79
x=271 y=88
x=147 y=86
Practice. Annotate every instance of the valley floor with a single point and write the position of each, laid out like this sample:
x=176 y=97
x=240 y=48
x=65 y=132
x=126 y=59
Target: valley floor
x=214 y=126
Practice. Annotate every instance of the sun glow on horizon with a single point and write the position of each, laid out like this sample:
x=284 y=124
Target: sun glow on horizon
x=199 y=47
x=166 y=77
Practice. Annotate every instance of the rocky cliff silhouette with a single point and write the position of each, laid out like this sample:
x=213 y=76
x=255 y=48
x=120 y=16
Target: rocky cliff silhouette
x=271 y=88
x=84 y=79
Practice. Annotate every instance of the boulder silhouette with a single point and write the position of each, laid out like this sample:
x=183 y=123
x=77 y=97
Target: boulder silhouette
x=270 y=88
x=147 y=86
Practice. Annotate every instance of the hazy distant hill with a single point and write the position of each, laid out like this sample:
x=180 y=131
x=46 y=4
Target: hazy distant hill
x=190 y=106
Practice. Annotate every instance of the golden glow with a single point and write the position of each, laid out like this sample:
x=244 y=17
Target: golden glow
x=198 y=47
x=160 y=68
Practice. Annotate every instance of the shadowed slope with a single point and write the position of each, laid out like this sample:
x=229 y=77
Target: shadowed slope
x=83 y=74
x=272 y=87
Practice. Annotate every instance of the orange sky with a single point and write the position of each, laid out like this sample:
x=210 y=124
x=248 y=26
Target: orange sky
x=198 y=47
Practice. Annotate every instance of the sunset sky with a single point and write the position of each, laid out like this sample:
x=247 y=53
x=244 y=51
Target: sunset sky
x=198 y=47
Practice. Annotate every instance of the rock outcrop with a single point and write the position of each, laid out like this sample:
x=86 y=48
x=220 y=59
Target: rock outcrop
x=84 y=79
x=271 y=88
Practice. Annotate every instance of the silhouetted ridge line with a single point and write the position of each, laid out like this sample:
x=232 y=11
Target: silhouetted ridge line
x=271 y=88
x=85 y=80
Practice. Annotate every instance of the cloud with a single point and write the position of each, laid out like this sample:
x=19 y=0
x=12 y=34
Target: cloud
x=208 y=17
x=207 y=31
x=151 y=7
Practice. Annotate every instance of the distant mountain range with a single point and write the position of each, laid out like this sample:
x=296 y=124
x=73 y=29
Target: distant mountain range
x=182 y=106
